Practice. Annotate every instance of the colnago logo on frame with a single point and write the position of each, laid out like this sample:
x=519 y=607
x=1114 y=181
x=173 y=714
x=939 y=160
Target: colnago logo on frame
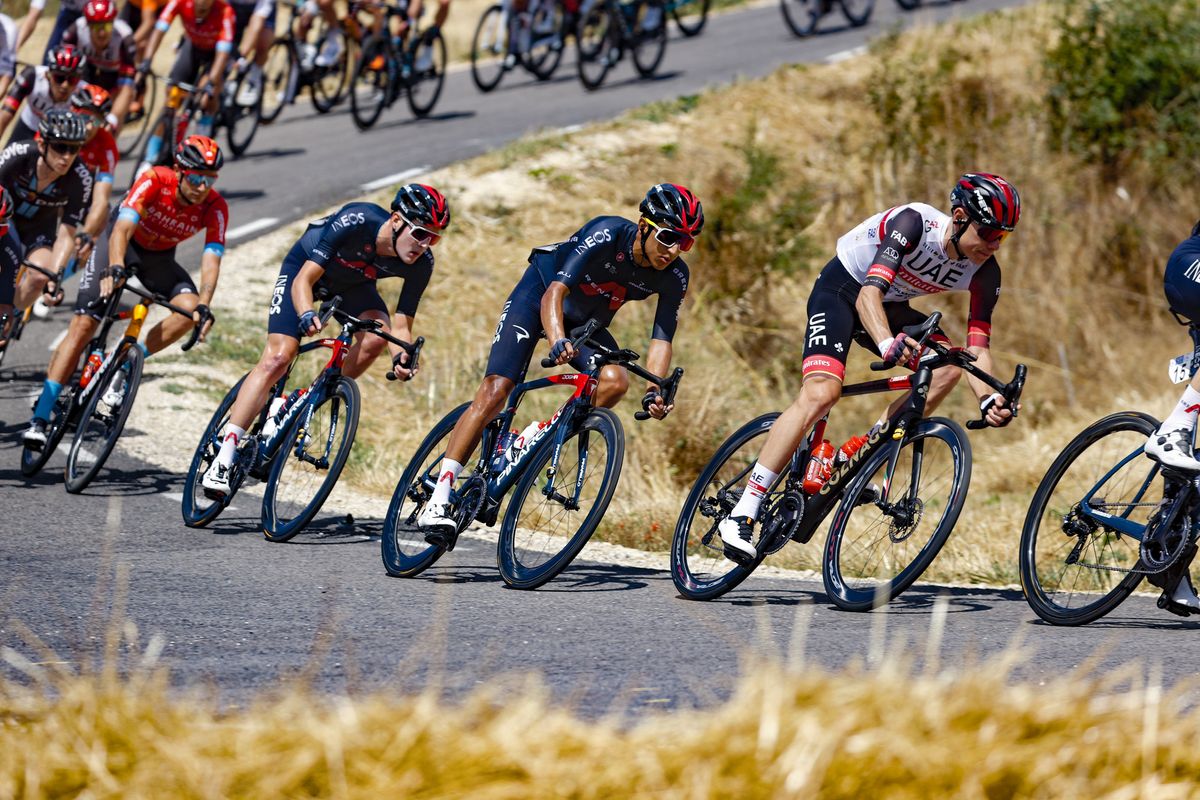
x=872 y=440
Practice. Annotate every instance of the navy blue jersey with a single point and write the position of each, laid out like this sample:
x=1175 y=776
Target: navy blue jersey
x=10 y=262
x=597 y=264
x=344 y=245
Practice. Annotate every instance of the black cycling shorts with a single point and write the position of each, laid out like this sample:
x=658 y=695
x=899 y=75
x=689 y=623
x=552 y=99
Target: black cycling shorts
x=35 y=234
x=1181 y=281
x=282 y=317
x=520 y=327
x=190 y=63
x=157 y=271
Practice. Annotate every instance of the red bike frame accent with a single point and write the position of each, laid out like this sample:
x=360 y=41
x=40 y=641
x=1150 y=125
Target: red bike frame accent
x=585 y=385
x=339 y=353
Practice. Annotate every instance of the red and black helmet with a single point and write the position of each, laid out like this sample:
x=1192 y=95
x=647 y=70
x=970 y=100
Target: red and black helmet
x=91 y=98
x=989 y=200
x=669 y=205
x=199 y=153
x=422 y=205
x=66 y=58
x=100 y=11
x=6 y=206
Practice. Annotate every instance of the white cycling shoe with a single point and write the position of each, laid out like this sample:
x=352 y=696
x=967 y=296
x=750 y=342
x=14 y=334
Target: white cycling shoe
x=216 y=481
x=438 y=525
x=737 y=534
x=1173 y=449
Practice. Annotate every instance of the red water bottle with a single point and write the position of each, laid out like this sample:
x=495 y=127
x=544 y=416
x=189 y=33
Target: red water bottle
x=820 y=467
x=847 y=450
x=94 y=360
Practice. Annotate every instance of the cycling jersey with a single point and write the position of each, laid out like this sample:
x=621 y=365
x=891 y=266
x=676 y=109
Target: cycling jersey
x=112 y=66
x=1181 y=279
x=10 y=263
x=39 y=209
x=157 y=271
x=214 y=32
x=100 y=155
x=30 y=96
x=163 y=221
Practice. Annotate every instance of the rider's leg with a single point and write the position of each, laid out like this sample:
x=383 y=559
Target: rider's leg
x=443 y=11
x=63 y=363
x=367 y=347
x=613 y=384
x=174 y=326
x=32 y=282
x=280 y=352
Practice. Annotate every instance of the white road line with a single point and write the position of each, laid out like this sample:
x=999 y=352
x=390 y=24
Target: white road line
x=845 y=55
x=57 y=339
x=251 y=227
x=379 y=183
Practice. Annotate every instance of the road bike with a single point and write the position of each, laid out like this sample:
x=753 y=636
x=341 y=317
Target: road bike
x=897 y=497
x=689 y=15
x=97 y=404
x=147 y=96
x=291 y=67
x=802 y=15
x=1105 y=516
x=413 y=65
x=609 y=28
x=564 y=476
x=505 y=38
x=12 y=324
x=300 y=450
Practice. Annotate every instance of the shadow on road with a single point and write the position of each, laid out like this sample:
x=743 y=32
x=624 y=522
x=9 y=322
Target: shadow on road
x=276 y=152
x=445 y=116
x=635 y=79
x=243 y=194
x=920 y=599
x=139 y=482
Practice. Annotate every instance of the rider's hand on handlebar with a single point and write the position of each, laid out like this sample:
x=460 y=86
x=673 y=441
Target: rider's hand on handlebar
x=562 y=351
x=310 y=323
x=401 y=372
x=652 y=404
x=203 y=316
x=995 y=411
x=108 y=282
x=899 y=350
x=52 y=292
x=83 y=246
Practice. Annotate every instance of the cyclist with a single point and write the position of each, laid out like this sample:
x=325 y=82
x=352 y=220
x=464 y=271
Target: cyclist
x=40 y=89
x=8 y=51
x=254 y=28
x=344 y=253
x=863 y=293
x=51 y=191
x=164 y=207
x=608 y=262
x=10 y=255
x=107 y=42
x=99 y=155
x=140 y=16
x=68 y=12
x=208 y=41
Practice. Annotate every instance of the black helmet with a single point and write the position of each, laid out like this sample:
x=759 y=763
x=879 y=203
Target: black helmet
x=422 y=205
x=199 y=153
x=670 y=205
x=989 y=200
x=63 y=127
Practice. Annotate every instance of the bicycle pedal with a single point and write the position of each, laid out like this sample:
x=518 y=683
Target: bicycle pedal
x=738 y=557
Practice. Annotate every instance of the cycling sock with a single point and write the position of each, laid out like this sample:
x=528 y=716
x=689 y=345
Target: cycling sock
x=759 y=484
x=449 y=474
x=154 y=148
x=145 y=350
x=1184 y=413
x=233 y=435
x=45 y=404
x=205 y=125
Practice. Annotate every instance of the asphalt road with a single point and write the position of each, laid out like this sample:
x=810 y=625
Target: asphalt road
x=231 y=610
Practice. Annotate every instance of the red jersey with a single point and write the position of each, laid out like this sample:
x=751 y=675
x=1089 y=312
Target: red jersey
x=214 y=32
x=100 y=155
x=163 y=221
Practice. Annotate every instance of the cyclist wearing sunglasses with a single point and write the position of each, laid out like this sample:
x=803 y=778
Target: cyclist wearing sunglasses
x=608 y=262
x=345 y=253
x=107 y=42
x=164 y=207
x=99 y=155
x=52 y=192
x=862 y=295
x=38 y=90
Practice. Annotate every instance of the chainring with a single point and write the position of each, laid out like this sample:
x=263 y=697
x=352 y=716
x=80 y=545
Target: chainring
x=470 y=500
x=780 y=521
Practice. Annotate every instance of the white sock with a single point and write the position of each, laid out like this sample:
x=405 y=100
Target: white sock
x=1183 y=593
x=233 y=435
x=757 y=486
x=1184 y=413
x=446 y=478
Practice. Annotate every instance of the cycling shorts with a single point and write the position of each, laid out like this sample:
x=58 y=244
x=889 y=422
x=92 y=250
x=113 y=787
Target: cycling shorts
x=520 y=328
x=157 y=271
x=282 y=317
x=833 y=322
x=1181 y=281
x=34 y=236
x=191 y=62
x=242 y=14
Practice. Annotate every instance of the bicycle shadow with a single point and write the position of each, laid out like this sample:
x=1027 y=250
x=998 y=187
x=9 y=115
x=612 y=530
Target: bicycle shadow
x=917 y=600
x=561 y=75
x=445 y=116
x=243 y=194
x=600 y=578
x=1170 y=622
x=636 y=79
x=275 y=152
x=138 y=482
x=329 y=530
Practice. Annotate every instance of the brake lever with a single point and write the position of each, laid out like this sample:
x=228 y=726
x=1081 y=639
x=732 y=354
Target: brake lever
x=667 y=391
x=1012 y=397
x=414 y=355
x=585 y=332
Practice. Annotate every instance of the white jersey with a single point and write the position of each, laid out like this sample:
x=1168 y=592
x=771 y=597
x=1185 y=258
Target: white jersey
x=39 y=100
x=109 y=59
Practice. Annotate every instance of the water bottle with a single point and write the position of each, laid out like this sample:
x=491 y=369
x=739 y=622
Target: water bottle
x=500 y=455
x=820 y=467
x=523 y=438
x=273 y=417
x=852 y=446
x=94 y=360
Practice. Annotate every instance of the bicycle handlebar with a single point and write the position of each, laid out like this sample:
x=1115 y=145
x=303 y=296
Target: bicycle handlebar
x=374 y=326
x=123 y=276
x=1011 y=392
x=920 y=333
x=57 y=277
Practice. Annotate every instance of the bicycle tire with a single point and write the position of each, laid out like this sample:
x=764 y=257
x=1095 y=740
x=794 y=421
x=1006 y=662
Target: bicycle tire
x=197 y=509
x=277 y=526
x=425 y=85
x=518 y=571
x=167 y=118
x=908 y=5
x=1039 y=592
x=650 y=47
x=844 y=589
x=240 y=121
x=78 y=472
x=371 y=87
x=61 y=419
x=403 y=548
x=280 y=74
x=134 y=131
x=489 y=53
x=701 y=571
x=327 y=85
x=691 y=24
x=593 y=42
x=545 y=53
x=801 y=16
x=857 y=12
x=14 y=333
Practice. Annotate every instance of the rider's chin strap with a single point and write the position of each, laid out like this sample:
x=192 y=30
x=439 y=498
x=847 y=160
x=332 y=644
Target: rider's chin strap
x=960 y=227
x=645 y=236
x=396 y=236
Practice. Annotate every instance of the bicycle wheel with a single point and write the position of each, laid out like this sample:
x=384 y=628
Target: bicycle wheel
x=133 y=132
x=801 y=15
x=327 y=84
x=857 y=12
x=61 y=418
x=240 y=119
x=428 y=73
x=403 y=547
x=489 y=46
x=300 y=482
x=280 y=76
x=691 y=16
x=876 y=550
x=699 y=567
x=100 y=424
x=369 y=90
x=649 y=38
x=1073 y=568
x=595 y=52
x=550 y=519
x=546 y=48
x=198 y=509
x=165 y=122
x=908 y=5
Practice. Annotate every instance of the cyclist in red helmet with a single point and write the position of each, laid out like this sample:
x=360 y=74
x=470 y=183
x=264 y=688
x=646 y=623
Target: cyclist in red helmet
x=108 y=44
x=165 y=206
x=38 y=90
x=608 y=262
x=862 y=295
x=99 y=155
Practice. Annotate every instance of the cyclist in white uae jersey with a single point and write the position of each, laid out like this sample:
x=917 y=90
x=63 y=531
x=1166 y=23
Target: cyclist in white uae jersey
x=862 y=295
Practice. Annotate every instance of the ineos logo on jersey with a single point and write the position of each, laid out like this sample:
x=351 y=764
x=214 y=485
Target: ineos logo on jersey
x=599 y=237
x=816 y=328
x=899 y=237
x=346 y=220
x=500 y=323
x=1192 y=272
x=277 y=297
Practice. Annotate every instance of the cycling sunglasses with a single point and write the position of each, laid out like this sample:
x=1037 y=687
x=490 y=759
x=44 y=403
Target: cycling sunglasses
x=197 y=180
x=100 y=27
x=64 y=77
x=65 y=149
x=990 y=235
x=669 y=237
x=422 y=235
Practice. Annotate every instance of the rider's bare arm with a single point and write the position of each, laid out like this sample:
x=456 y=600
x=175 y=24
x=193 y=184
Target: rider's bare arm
x=302 y=286
x=97 y=216
x=28 y=24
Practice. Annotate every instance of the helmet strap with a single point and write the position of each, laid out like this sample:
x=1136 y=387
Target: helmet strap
x=960 y=227
x=642 y=241
x=396 y=235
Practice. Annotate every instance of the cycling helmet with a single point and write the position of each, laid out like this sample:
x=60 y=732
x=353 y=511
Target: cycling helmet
x=669 y=205
x=100 y=11
x=199 y=153
x=422 y=205
x=63 y=127
x=66 y=58
x=91 y=98
x=989 y=200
